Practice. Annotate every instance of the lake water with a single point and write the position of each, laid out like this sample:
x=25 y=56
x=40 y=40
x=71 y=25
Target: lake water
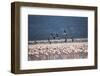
x=40 y=27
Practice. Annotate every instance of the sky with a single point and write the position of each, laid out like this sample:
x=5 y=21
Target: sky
x=41 y=26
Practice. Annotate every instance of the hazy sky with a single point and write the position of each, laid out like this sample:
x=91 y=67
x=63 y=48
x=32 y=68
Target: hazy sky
x=40 y=26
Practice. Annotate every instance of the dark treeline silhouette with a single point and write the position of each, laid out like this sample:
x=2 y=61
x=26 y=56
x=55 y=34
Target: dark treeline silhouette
x=57 y=36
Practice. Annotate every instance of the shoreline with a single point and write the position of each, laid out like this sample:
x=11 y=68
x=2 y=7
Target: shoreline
x=59 y=41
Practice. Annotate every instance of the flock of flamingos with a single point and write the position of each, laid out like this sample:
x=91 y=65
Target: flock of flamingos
x=54 y=51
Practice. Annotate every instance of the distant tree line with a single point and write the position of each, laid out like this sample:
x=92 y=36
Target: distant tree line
x=57 y=36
